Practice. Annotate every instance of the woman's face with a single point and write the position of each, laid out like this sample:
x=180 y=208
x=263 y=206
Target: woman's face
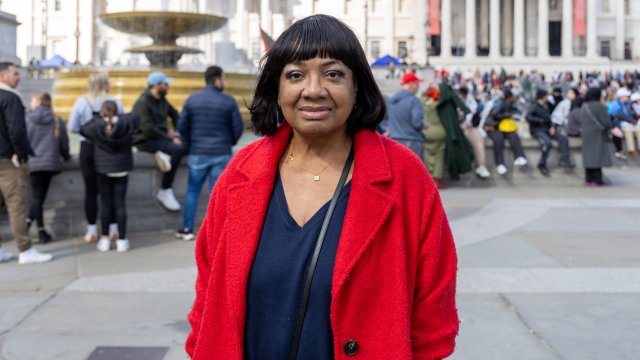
x=34 y=102
x=316 y=96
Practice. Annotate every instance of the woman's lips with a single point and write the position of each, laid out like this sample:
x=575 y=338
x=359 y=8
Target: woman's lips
x=314 y=112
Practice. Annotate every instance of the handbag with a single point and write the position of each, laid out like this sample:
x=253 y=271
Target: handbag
x=304 y=301
x=606 y=134
x=508 y=125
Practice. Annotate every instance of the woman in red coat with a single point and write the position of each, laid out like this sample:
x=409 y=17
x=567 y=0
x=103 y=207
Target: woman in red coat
x=323 y=240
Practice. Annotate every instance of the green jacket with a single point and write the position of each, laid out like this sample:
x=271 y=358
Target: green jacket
x=459 y=153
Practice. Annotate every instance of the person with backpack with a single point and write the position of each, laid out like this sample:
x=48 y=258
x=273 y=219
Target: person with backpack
x=48 y=138
x=470 y=129
x=112 y=138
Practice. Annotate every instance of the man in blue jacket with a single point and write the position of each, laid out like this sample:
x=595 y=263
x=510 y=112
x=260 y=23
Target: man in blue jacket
x=404 y=120
x=209 y=125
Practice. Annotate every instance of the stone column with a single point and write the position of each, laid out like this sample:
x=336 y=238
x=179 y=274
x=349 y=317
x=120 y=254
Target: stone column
x=445 y=29
x=618 y=51
x=592 y=39
x=567 y=28
x=518 y=28
x=543 y=28
x=470 y=29
x=494 y=32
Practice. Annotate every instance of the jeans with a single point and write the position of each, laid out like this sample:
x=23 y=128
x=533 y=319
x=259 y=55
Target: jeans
x=168 y=147
x=414 y=145
x=40 y=181
x=113 y=194
x=544 y=138
x=199 y=167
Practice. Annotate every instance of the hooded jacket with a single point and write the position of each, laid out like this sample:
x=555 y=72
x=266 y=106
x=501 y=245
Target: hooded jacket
x=112 y=154
x=48 y=138
x=405 y=116
x=152 y=114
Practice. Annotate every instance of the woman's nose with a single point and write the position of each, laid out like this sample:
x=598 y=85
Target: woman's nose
x=313 y=87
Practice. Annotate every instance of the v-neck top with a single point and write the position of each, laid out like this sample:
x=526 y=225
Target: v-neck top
x=276 y=282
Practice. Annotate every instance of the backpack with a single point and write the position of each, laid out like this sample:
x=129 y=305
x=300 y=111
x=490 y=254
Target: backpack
x=477 y=116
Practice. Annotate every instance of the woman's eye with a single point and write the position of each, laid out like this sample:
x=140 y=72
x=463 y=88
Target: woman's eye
x=335 y=74
x=294 y=75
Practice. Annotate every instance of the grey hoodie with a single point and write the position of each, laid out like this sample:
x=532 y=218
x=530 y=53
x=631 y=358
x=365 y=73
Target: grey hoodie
x=48 y=148
x=405 y=116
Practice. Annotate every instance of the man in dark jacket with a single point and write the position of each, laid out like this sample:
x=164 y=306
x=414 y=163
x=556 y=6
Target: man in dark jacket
x=210 y=124
x=543 y=129
x=404 y=120
x=14 y=173
x=153 y=135
x=504 y=111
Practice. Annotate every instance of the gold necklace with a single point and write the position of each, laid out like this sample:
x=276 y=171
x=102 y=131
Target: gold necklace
x=316 y=175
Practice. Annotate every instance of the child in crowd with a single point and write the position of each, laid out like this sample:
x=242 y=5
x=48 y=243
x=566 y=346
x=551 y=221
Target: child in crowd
x=49 y=142
x=111 y=136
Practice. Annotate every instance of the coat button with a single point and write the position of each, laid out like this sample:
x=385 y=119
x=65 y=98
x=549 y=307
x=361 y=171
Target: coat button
x=350 y=347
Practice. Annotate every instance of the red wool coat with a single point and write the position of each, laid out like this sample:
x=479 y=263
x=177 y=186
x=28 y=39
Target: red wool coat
x=393 y=288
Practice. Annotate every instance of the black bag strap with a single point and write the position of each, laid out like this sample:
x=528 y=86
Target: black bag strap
x=316 y=254
x=593 y=118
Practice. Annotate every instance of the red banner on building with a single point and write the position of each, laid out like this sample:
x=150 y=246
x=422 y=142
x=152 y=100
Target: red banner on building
x=580 y=18
x=434 y=17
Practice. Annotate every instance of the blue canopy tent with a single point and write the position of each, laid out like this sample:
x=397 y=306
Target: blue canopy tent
x=55 y=61
x=385 y=60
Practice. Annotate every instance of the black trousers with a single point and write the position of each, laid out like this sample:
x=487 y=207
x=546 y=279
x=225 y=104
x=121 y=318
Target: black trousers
x=113 y=193
x=498 y=138
x=90 y=177
x=40 y=181
x=617 y=142
x=594 y=175
x=168 y=147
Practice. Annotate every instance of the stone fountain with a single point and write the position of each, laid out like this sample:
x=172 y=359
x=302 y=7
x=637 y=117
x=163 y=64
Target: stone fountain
x=164 y=28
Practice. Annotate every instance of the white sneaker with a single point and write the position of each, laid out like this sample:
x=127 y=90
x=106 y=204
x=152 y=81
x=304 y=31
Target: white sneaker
x=163 y=161
x=122 y=245
x=520 y=161
x=5 y=255
x=501 y=169
x=90 y=237
x=33 y=256
x=483 y=172
x=168 y=200
x=104 y=244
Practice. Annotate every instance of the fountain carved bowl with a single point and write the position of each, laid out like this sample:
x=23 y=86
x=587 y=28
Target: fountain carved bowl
x=162 y=24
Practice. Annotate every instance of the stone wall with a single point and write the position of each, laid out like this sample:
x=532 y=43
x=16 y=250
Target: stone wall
x=8 y=37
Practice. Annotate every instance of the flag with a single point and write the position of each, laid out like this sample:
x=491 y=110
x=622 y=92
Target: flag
x=267 y=40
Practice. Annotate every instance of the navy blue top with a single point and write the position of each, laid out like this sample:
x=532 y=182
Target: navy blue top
x=277 y=279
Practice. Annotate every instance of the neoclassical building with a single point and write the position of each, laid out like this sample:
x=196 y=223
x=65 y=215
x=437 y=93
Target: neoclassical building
x=465 y=34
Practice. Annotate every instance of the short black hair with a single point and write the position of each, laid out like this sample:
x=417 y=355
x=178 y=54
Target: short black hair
x=541 y=93
x=507 y=94
x=464 y=91
x=316 y=36
x=5 y=65
x=212 y=74
x=593 y=94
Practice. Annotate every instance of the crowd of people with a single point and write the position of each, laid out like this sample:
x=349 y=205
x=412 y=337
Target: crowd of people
x=34 y=144
x=460 y=110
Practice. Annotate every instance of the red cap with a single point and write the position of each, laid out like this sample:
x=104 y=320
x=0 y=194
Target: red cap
x=409 y=78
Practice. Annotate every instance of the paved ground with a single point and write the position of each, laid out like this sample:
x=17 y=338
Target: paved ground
x=547 y=272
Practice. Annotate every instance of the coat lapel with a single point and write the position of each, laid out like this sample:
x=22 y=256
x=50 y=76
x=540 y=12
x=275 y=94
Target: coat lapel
x=368 y=205
x=248 y=202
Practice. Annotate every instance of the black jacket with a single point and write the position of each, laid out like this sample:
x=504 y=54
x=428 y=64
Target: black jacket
x=500 y=112
x=152 y=114
x=13 y=129
x=538 y=116
x=111 y=154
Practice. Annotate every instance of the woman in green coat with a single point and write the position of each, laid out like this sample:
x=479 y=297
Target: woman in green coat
x=459 y=153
